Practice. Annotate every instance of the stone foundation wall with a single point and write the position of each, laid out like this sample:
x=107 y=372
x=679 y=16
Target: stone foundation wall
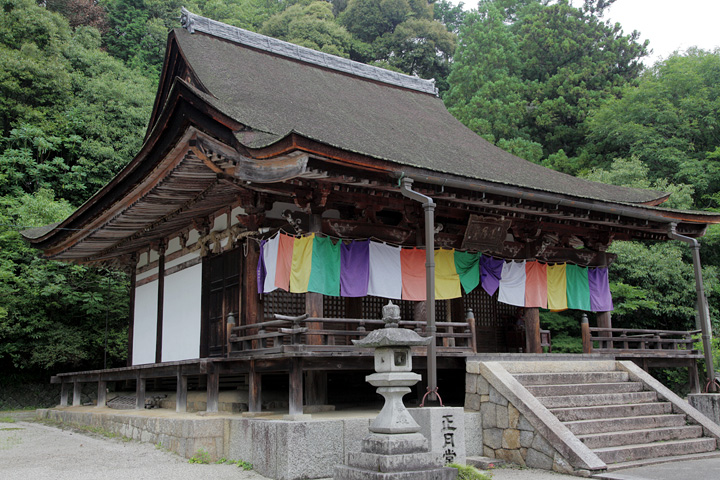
x=278 y=449
x=506 y=433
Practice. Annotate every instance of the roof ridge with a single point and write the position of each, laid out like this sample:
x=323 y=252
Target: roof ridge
x=192 y=22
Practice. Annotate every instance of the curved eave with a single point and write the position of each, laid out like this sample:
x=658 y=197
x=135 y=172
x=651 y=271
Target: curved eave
x=649 y=210
x=179 y=113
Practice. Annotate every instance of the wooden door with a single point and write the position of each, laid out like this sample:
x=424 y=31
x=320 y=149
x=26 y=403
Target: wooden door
x=221 y=296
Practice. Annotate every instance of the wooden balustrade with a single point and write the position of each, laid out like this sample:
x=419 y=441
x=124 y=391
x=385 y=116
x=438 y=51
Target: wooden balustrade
x=282 y=333
x=639 y=342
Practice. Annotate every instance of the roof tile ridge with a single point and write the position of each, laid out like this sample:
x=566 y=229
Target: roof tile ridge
x=192 y=23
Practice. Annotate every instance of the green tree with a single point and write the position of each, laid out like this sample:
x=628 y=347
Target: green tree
x=139 y=28
x=634 y=173
x=311 y=26
x=669 y=121
x=653 y=284
x=450 y=15
x=401 y=35
x=53 y=315
x=532 y=70
x=70 y=115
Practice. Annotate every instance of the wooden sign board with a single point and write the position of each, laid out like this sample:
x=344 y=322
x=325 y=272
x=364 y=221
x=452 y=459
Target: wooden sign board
x=485 y=233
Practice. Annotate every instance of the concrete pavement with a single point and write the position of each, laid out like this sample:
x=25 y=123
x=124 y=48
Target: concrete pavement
x=41 y=452
x=699 y=469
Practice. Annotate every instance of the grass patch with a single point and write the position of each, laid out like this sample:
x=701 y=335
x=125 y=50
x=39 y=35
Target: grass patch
x=7 y=419
x=90 y=429
x=468 y=472
x=200 y=457
x=240 y=463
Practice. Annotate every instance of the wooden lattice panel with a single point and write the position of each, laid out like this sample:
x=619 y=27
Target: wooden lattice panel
x=283 y=303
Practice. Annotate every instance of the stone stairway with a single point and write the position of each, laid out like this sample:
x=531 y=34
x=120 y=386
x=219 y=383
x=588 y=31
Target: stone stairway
x=624 y=422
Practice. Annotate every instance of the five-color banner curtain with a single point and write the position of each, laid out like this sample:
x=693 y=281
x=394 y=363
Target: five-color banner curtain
x=357 y=268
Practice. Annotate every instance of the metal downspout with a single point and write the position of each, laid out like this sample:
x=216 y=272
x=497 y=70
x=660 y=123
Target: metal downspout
x=701 y=303
x=429 y=207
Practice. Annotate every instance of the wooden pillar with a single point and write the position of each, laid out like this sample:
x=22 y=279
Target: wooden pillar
x=314 y=301
x=604 y=320
x=316 y=386
x=102 y=393
x=449 y=341
x=255 y=389
x=585 y=332
x=131 y=326
x=252 y=310
x=470 y=319
x=213 y=388
x=295 y=403
x=77 y=393
x=160 y=301
x=64 y=394
x=532 y=330
x=694 y=377
x=419 y=315
x=181 y=392
x=140 y=393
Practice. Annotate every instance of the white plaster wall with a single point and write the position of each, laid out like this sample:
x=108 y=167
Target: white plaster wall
x=145 y=328
x=181 y=315
x=179 y=260
x=173 y=246
x=144 y=275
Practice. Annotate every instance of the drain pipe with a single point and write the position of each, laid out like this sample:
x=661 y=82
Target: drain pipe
x=429 y=207
x=701 y=304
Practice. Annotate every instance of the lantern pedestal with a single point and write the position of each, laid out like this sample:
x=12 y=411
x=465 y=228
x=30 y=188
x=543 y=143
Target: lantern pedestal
x=394 y=450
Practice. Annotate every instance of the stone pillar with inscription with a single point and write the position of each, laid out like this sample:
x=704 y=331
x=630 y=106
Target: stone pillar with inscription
x=395 y=448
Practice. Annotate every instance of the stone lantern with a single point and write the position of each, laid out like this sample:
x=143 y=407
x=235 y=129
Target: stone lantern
x=394 y=449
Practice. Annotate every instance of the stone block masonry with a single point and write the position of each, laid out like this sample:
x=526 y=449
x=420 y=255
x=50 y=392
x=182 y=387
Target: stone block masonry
x=278 y=449
x=517 y=429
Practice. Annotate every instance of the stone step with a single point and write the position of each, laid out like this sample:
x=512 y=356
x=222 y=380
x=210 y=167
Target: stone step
x=598 y=399
x=604 y=425
x=613 y=467
x=628 y=453
x=633 y=437
x=584 y=389
x=559 y=366
x=571 y=414
x=568 y=378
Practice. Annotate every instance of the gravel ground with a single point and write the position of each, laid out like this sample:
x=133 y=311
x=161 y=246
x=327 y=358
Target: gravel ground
x=33 y=451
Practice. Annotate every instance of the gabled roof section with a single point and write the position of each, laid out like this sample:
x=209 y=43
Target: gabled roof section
x=277 y=90
x=195 y=23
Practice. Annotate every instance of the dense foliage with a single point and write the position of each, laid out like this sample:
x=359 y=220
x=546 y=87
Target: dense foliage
x=70 y=117
x=549 y=80
x=527 y=72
